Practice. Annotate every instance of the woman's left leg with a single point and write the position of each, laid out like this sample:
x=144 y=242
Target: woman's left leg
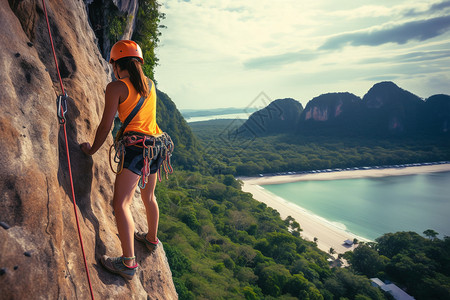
x=124 y=188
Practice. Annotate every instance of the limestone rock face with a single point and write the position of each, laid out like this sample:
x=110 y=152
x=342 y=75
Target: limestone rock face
x=129 y=6
x=40 y=254
x=102 y=12
x=331 y=106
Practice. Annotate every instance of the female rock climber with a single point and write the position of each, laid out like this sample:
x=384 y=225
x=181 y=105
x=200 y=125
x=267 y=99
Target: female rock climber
x=141 y=149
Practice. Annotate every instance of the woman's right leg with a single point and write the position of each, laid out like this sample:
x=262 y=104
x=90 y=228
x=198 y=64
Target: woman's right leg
x=151 y=207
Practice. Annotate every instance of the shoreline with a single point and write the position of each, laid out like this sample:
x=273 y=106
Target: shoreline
x=313 y=226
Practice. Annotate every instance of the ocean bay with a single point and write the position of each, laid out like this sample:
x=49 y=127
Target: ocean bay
x=370 y=207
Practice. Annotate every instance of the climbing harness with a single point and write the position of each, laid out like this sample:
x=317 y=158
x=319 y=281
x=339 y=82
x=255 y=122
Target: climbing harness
x=61 y=103
x=152 y=146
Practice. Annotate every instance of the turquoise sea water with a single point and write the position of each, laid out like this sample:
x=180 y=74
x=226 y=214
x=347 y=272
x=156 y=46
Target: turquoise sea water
x=370 y=207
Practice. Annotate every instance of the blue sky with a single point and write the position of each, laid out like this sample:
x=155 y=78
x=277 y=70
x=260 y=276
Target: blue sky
x=217 y=54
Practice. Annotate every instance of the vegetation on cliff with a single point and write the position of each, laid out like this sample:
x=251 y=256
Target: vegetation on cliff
x=147 y=33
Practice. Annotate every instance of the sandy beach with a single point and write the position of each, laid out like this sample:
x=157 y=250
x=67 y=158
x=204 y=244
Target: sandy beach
x=328 y=235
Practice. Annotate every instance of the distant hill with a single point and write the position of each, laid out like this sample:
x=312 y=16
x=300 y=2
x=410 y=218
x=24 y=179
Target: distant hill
x=437 y=113
x=187 y=148
x=280 y=116
x=385 y=109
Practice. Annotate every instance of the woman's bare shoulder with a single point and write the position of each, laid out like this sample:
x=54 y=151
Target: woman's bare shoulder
x=118 y=88
x=116 y=85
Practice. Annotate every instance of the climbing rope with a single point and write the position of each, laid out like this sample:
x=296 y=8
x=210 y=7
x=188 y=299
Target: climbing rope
x=62 y=109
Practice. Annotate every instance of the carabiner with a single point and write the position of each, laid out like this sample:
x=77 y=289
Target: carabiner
x=61 y=106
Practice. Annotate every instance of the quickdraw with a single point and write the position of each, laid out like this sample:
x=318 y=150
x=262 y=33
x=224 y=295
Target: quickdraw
x=61 y=108
x=153 y=146
x=166 y=154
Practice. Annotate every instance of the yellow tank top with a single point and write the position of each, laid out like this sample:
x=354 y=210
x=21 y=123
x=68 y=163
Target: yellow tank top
x=145 y=119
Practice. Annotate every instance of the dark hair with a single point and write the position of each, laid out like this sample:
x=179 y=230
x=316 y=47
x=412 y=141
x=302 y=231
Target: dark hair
x=137 y=77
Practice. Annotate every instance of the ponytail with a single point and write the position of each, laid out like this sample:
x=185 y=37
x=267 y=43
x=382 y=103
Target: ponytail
x=137 y=77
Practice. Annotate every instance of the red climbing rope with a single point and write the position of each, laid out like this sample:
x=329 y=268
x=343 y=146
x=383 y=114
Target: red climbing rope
x=61 y=111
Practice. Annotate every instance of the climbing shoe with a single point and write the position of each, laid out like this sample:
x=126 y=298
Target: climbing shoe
x=117 y=265
x=142 y=237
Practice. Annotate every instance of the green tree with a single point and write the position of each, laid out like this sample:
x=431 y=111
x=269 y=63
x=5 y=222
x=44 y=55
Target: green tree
x=178 y=262
x=408 y=270
x=355 y=284
x=182 y=290
x=391 y=244
x=296 y=284
x=281 y=246
x=272 y=279
x=229 y=180
x=249 y=293
x=217 y=191
x=333 y=285
x=189 y=217
x=117 y=23
x=430 y=233
x=147 y=33
x=218 y=267
x=367 y=261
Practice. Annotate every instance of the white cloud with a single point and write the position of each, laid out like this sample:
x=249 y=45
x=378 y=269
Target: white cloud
x=400 y=33
x=224 y=53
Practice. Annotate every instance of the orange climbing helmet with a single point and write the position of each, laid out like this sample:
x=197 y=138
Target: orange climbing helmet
x=125 y=48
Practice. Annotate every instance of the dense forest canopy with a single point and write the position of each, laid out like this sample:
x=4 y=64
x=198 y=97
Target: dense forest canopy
x=280 y=153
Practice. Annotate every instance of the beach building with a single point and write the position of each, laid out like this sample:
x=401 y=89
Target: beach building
x=392 y=289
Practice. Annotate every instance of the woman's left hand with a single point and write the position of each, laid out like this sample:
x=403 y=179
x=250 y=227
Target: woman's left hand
x=86 y=148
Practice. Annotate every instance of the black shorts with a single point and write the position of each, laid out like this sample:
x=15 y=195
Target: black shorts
x=134 y=159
